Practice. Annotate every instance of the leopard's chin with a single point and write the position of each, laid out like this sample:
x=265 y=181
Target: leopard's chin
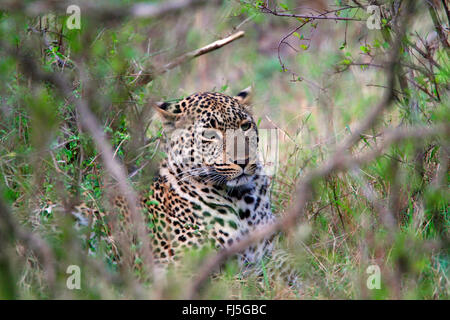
x=240 y=181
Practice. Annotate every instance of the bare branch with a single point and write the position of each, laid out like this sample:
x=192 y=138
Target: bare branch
x=89 y=121
x=288 y=221
x=146 y=77
x=201 y=51
x=438 y=26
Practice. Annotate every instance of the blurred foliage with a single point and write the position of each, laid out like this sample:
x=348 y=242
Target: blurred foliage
x=314 y=90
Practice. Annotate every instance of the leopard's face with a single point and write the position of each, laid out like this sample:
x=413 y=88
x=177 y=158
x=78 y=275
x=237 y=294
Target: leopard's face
x=212 y=138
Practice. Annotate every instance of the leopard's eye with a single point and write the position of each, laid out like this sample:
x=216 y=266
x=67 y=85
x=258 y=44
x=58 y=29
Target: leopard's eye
x=211 y=135
x=246 y=125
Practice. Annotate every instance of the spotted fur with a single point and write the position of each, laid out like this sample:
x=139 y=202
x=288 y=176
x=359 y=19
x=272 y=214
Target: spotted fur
x=205 y=194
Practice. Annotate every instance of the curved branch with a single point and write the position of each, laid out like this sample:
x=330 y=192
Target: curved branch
x=145 y=77
x=338 y=162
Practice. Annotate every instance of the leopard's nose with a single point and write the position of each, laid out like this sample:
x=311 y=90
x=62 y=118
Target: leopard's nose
x=242 y=163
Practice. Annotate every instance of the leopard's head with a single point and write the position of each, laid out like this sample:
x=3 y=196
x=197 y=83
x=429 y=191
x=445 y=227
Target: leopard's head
x=212 y=138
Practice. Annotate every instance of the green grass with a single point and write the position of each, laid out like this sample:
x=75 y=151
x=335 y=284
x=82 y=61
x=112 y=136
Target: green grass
x=45 y=156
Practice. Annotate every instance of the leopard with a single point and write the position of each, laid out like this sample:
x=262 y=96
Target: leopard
x=206 y=193
x=212 y=188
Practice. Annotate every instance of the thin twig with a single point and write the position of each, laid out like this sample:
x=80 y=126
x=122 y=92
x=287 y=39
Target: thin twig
x=438 y=26
x=322 y=16
x=146 y=77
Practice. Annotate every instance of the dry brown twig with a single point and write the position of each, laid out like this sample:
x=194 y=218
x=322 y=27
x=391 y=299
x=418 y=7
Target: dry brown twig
x=145 y=77
x=201 y=51
x=323 y=16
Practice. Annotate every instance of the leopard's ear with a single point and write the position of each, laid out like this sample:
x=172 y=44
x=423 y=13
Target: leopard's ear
x=167 y=111
x=244 y=97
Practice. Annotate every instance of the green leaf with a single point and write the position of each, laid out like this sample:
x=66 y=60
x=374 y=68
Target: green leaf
x=365 y=49
x=285 y=7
